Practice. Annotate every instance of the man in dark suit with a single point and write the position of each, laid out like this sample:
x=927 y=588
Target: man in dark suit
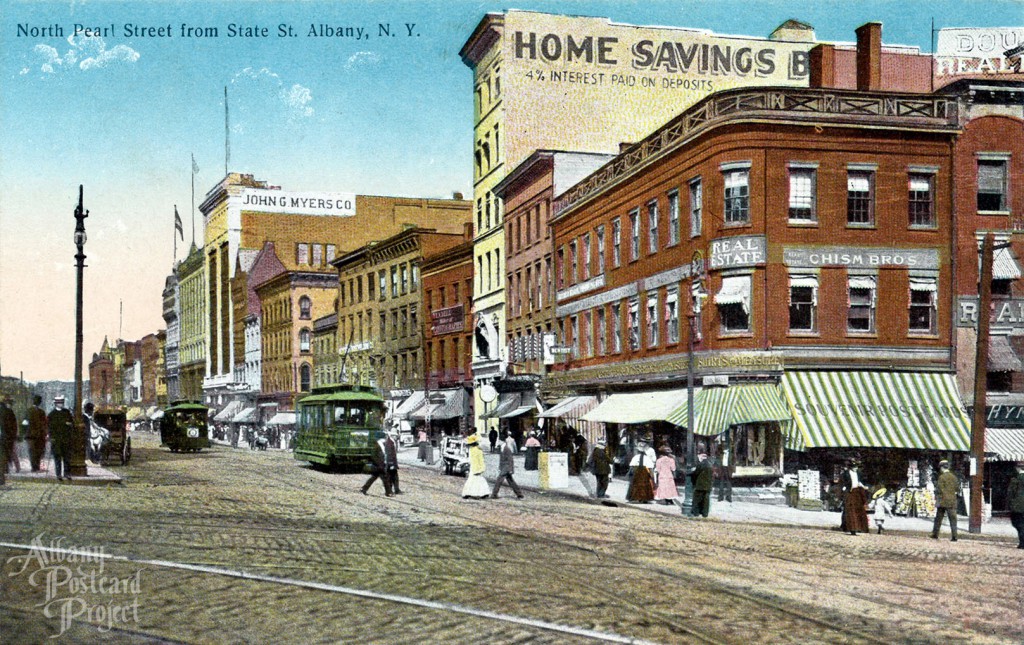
x=36 y=433
x=703 y=478
x=506 y=467
x=9 y=430
x=62 y=432
x=601 y=467
x=384 y=464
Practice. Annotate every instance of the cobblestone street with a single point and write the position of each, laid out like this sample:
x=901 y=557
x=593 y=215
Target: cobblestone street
x=437 y=568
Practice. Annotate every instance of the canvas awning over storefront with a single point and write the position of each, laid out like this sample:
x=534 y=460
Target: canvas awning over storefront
x=151 y=412
x=159 y=414
x=282 y=419
x=512 y=404
x=135 y=413
x=1004 y=266
x=1004 y=444
x=229 y=412
x=248 y=415
x=410 y=405
x=572 y=406
x=857 y=409
x=718 y=408
x=637 y=407
x=453 y=406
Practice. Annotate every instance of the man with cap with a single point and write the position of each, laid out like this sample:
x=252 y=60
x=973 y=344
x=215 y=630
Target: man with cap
x=1015 y=497
x=946 y=489
x=384 y=464
x=62 y=432
x=9 y=430
x=36 y=433
x=601 y=467
x=506 y=467
x=703 y=477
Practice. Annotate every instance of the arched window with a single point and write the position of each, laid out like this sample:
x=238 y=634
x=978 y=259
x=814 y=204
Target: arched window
x=304 y=372
x=305 y=307
x=304 y=336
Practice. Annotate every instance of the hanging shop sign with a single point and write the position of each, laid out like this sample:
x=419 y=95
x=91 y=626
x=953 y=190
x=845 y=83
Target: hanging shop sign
x=448 y=320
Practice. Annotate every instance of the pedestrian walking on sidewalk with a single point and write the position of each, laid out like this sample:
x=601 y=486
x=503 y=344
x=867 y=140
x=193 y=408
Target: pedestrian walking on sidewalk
x=641 y=485
x=506 y=467
x=424 y=445
x=946 y=491
x=9 y=431
x=492 y=436
x=881 y=507
x=532 y=452
x=855 y=501
x=384 y=465
x=475 y=486
x=62 y=431
x=703 y=478
x=1015 y=496
x=601 y=467
x=665 y=476
x=36 y=433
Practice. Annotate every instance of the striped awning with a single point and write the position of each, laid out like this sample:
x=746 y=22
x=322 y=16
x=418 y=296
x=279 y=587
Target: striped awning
x=248 y=415
x=453 y=406
x=570 y=407
x=718 y=408
x=282 y=419
x=135 y=413
x=1004 y=444
x=637 y=407
x=1004 y=266
x=410 y=405
x=1001 y=357
x=229 y=412
x=858 y=409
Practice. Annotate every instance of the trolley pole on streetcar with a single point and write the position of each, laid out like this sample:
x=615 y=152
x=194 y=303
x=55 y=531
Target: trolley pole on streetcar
x=977 y=471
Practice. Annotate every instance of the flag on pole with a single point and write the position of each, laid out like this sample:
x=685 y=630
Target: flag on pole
x=195 y=166
x=177 y=223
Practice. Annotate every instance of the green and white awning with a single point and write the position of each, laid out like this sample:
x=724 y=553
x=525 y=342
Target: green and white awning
x=637 y=407
x=859 y=409
x=718 y=408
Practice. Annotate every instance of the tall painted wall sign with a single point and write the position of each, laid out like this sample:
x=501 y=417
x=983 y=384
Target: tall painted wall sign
x=859 y=257
x=295 y=203
x=978 y=51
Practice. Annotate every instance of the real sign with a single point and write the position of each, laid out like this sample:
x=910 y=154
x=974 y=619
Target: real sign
x=740 y=251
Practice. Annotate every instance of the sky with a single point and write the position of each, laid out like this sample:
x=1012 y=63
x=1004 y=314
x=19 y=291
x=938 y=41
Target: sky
x=122 y=108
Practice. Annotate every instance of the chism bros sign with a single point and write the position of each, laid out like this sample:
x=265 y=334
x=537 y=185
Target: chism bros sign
x=294 y=203
x=613 y=59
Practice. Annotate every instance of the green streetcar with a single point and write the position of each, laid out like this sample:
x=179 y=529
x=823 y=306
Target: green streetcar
x=337 y=425
x=185 y=427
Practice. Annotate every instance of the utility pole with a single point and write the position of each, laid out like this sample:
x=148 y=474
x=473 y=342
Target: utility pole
x=77 y=463
x=977 y=471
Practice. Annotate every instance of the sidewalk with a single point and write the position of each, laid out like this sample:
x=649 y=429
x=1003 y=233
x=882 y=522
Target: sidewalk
x=723 y=511
x=98 y=475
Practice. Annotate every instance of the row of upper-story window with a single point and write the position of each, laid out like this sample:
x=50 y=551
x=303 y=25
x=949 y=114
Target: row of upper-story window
x=275 y=311
x=404 y=279
x=447 y=295
x=527 y=228
x=449 y=352
x=625 y=324
x=488 y=212
x=529 y=285
x=314 y=254
x=527 y=345
x=487 y=91
x=488 y=271
x=486 y=152
x=644 y=228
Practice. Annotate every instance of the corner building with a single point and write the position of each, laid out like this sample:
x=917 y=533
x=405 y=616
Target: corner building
x=544 y=81
x=802 y=239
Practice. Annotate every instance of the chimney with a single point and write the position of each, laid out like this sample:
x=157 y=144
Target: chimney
x=823 y=67
x=457 y=196
x=869 y=56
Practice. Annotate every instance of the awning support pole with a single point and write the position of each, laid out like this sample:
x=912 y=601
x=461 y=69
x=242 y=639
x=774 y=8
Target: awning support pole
x=980 y=376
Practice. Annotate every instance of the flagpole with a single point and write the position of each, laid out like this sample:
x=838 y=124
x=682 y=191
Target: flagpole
x=174 y=234
x=192 y=213
x=227 y=132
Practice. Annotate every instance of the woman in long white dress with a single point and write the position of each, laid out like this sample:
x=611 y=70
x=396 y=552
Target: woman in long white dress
x=476 y=486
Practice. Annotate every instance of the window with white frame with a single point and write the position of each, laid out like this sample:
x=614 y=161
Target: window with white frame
x=697 y=296
x=574 y=331
x=737 y=195
x=860 y=197
x=586 y=342
x=803 y=303
x=304 y=339
x=405 y=278
x=616 y=242
x=560 y=269
x=302 y=253
x=672 y=315
x=696 y=207
x=922 y=305
x=861 y=297
x=652 y=226
x=602 y=332
x=992 y=185
x=573 y=262
x=633 y=323
x=394 y=281
x=634 y=235
x=616 y=315
x=921 y=200
x=652 y=319
x=586 y=256
x=305 y=308
x=802 y=194
x=599 y=232
x=673 y=217
x=733 y=301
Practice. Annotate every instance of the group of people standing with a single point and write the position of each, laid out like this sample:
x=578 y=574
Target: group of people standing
x=58 y=427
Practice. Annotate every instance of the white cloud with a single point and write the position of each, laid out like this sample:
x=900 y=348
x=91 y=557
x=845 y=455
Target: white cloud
x=298 y=98
x=256 y=85
x=85 y=52
x=362 y=59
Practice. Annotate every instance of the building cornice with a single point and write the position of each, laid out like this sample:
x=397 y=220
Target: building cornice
x=794 y=106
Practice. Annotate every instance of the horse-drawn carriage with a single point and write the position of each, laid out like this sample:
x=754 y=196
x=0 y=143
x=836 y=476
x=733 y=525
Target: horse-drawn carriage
x=116 y=444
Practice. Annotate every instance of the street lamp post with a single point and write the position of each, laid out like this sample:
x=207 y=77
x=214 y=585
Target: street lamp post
x=77 y=463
